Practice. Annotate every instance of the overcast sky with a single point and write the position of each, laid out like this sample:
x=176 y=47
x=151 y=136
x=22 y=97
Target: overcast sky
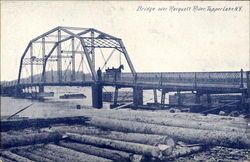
x=156 y=41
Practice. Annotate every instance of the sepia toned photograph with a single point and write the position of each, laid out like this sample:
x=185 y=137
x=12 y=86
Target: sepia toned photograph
x=125 y=81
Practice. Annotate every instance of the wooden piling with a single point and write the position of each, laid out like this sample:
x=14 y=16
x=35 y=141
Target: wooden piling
x=163 y=95
x=209 y=101
x=179 y=98
x=155 y=96
x=116 y=96
x=198 y=97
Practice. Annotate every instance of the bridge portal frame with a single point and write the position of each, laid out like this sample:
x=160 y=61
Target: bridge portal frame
x=102 y=40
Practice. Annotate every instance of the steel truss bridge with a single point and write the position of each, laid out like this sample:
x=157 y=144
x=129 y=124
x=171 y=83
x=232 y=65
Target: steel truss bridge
x=70 y=56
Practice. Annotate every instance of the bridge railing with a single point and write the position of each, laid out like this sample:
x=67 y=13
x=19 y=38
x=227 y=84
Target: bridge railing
x=9 y=83
x=236 y=79
x=53 y=79
x=231 y=78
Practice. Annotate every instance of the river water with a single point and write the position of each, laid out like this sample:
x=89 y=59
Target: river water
x=56 y=107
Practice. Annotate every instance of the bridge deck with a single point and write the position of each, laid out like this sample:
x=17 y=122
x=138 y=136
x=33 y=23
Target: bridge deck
x=216 y=82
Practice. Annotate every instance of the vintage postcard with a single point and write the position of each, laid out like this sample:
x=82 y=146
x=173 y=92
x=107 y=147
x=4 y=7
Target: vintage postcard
x=125 y=81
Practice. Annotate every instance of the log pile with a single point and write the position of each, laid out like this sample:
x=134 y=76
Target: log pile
x=122 y=135
x=188 y=127
x=189 y=135
x=149 y=139
x=119 y=145
x=186 y=120
x=40 y=122
x=28 y=139
x=98 y=145
x=101 y=152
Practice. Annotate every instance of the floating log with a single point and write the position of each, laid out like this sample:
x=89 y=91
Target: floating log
x=19 y=111
x=123 y=105
x=28 y=139
x=72 y=96
x=79 y=156
x=40 y=122
x=189 y=135
x=102 y=152
x=14 y=157
x=136 y=148
x=148 y=139
x=45 y=94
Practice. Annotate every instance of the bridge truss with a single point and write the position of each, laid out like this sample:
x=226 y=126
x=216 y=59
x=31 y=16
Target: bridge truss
x=57 y=58
x=65 y=54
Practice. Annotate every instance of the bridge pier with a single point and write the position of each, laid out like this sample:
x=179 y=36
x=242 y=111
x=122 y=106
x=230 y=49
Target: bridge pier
x=209 y=101
x=29 y=89
x=40 y=88
x=97 y=95
x=248 y=92
x=17 y=91
x=137 y=96
x=97 y=91
x=244 y=102
x=198 y=97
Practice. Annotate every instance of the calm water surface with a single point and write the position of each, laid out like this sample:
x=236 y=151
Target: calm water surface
x=55 y=107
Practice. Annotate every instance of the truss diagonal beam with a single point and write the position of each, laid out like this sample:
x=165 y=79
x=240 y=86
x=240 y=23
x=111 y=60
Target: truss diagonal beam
x=94 y=75
x=124 y=51
x=108 y=59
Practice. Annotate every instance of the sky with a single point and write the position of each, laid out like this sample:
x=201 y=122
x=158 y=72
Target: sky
x=172 y=40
